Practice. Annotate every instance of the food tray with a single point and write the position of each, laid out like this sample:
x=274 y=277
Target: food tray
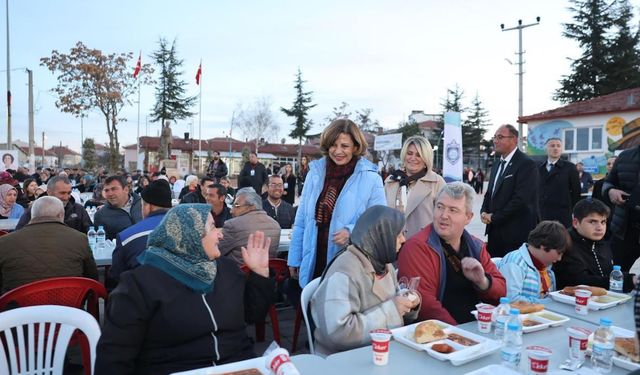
x=254 y=363
x=611 y=299
x=544 y=319
x=462 y=355
x=618 y=359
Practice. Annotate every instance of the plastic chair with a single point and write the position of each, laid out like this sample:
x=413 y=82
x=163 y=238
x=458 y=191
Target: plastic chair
x=62 y=291
x=30 y=352
x=3 y=232
x=305 y=297
x=281 y=270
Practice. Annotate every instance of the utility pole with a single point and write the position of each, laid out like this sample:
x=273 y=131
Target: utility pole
x=520 y=71
x=32 y=156
x=42 y=149
x=9 y=140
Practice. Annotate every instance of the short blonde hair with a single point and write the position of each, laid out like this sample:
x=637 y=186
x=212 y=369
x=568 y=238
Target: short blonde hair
x=342 y=126
x=423 y=146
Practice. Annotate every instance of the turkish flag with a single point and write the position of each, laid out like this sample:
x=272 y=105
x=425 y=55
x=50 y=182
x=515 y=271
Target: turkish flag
x=136 y=71
x=198 y=74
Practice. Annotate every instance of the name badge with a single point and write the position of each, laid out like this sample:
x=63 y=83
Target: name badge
x=286 y=185
x=253 y=172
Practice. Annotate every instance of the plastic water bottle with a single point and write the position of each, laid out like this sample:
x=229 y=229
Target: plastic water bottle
x=603 y=344
x=500 y=317
x=100 y=238
x=512 y=345
x=91 y=236
x=616 y=280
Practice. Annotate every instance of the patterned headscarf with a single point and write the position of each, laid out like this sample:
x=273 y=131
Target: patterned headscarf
x=175 y=247
x=5 y=208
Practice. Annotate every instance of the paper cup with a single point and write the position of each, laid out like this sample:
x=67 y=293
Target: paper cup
x=485 y=315
x=380 y=343
x=538 y=359
x=582 y=301
x=578 y=339
x=279 y=362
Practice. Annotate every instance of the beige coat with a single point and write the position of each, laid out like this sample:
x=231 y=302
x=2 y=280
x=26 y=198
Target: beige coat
x=420 y=202
x=236 y=232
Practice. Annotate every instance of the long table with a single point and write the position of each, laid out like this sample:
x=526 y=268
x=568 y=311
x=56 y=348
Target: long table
x=307 y=364
x=8 y=224
x=621 y=315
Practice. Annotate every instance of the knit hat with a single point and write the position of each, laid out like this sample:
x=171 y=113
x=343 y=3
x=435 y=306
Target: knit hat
x=158 y=193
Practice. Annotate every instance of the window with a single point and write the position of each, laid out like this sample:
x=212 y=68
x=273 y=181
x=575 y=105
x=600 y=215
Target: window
x=583 y=139
x=582 y=142
x=596 y=138
x=568 y=139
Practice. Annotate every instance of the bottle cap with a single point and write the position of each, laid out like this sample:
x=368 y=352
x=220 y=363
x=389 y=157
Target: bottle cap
x=513 y=327
x=605 y=322
x=100 y=227
x=514 y=312
x=616 y=268
x=504 y=300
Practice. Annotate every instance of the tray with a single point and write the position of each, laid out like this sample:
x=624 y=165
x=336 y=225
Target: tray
x=545 y=318
x=618 y=359
x=611 y=299
x=462 y=355
x=254 y=363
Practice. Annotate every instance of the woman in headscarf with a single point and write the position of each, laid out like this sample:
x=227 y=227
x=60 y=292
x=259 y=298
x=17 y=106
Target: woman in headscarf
x=414 y=188
x=185 y=306
x=9 y=209
x=358 y=292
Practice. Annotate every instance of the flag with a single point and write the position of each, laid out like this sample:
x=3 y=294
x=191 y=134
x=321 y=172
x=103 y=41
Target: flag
x=452 y=153
x=198 y=74
x=136 y=71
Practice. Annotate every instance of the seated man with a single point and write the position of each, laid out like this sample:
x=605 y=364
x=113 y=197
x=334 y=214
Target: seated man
x=248 y=217
x=279 y=210
x=44 y=248
x=528 y=269
x=131 y=242
x=200 y=195
x=590 y=260
x=216 y=195
x=455 y=268
x=122 y=210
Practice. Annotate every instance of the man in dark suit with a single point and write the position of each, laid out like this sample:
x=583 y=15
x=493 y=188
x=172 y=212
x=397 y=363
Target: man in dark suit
x=510 y=207
x=559 y=185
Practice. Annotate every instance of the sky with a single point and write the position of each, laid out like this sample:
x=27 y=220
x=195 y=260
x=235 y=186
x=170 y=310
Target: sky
x=391 y=56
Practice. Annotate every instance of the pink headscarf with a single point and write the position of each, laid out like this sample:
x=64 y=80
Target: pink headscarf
x=5 y=208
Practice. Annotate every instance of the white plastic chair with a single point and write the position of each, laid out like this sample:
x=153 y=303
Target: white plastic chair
x=305 y=296
x=29 y=339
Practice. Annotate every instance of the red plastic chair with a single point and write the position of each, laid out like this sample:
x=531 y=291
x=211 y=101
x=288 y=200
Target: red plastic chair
x=281 y=270
x=64 y=291
x=3 y=232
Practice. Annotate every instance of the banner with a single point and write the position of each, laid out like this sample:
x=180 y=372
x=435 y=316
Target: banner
x=452 y=152
x=388 y=142
x=9 y=160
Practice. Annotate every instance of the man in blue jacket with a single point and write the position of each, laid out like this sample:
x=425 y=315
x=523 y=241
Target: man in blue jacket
x=131 y=242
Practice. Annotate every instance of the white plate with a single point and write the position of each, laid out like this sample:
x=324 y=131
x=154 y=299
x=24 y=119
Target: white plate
x=618 y=359
x=595 y=303
x=462 y=355
x=257 y=363
x=538 y=317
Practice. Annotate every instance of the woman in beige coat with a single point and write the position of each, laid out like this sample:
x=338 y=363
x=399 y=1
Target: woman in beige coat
x=414 y=189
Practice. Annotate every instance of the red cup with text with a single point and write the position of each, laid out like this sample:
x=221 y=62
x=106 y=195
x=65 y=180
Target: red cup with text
x=538 y=359
x=380 y=343
x=485 y=316
x=582 y=301
x=578 y=339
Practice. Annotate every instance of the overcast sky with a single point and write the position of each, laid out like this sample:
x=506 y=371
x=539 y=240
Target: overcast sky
x=391 y=56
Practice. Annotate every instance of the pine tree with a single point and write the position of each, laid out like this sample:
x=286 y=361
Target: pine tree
x=300 y=111
x=589 y=73
x=624 y=59
x=453 y=101
x=364 y=120
x=89 y=154
x=171 y=101
x=474 y=128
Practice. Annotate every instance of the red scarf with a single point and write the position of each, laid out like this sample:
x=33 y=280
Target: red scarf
x=334 y=180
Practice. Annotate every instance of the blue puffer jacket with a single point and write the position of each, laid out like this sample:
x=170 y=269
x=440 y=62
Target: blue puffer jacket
x=361 y=191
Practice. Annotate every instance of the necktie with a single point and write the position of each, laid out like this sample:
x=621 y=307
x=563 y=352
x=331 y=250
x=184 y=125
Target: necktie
x=499 y=174
x=550 y=167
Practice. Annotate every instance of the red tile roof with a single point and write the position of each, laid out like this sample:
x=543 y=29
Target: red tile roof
x=621 y=101
x=64 y=150
x=37 y=151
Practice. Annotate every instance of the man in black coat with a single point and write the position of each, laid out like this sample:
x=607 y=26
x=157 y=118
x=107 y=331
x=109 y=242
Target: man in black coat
x=510 y=207
x=217 y=168
x=559 y=185
x=255 y=172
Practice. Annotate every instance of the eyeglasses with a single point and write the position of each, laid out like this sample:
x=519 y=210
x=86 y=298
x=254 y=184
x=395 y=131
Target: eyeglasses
x=236 y=205
x=276 y=185
x=500 y=137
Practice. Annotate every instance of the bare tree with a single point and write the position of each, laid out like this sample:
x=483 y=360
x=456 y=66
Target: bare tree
x=256 y=122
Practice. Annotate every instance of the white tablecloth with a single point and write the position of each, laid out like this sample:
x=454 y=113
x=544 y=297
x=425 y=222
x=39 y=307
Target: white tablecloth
x=10 y=224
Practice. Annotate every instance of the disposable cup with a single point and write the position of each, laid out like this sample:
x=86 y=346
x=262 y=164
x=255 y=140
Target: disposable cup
x=280 y=363
x=380 y=344
x=582 y=301
x=538 y=359
x=485 y=315
x=578 y=339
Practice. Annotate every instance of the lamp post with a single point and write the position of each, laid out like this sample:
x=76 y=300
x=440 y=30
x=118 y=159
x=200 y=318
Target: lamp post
x=520 y=72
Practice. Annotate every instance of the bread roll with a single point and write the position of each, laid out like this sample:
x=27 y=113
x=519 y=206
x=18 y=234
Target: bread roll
x=595 y=291
x=428 y=331
x=526 y=307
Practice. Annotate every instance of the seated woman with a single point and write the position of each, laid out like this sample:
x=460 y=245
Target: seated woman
x=358 y=292
x=9 y=209
x=96 y=200
x=29 y=187
x=185 y=307
x=527 y=270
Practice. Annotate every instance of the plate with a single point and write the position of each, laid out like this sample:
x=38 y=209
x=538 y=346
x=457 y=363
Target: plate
x=611 y=299
x=618 y=359
x=254 y=363
x=463 y=354
x=540 y=320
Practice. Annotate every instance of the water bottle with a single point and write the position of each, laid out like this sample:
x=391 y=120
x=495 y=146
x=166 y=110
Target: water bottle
x=512 y=345
x=500 y=316
x=616 y=280
x=100 y=238
x=603 y=344
x=91 y=236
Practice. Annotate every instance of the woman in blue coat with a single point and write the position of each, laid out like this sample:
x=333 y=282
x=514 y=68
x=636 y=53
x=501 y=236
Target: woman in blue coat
x=338 y=189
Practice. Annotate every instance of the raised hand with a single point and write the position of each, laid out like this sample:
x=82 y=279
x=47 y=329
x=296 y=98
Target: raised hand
x=256 y=254
x=473 y=271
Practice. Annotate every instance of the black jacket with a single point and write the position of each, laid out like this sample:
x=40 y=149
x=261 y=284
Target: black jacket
x=156 y=325
x=559 y=191
x=217 y=171
x=625 y=176
x=194 y=197
x=115 y=220
x=579 y=265
x=514 y=206
x=290 y=188
x=257 y=174
x=285 y=214
x=75 y=216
